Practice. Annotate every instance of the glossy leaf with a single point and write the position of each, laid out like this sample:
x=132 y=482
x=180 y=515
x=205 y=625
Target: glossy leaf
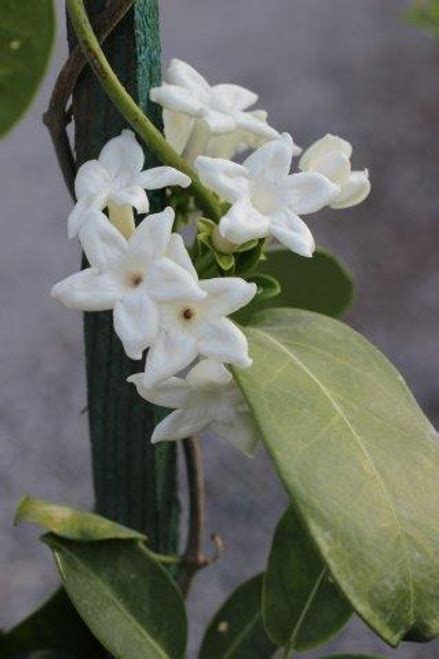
x=320 y=284
x=124 y=596
x=71 y=523
x=53 y=626
x=301 y=606
x=359 y=460
x=268 y=286
x=236 y=631
x=26 y=37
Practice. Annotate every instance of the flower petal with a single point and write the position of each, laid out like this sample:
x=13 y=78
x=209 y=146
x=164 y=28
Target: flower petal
x=222 y=340
x=308 y=192
x=178 y=127
x=178 y=253
x=167 y=281
x=136 y=322
x=335 y=166
x=220 y=123
x=87 y=290
x=272 y=161
x=169 y=354
x=226 y=178
x=321 y=147
x=103 y=244
x=241 y=431
x=177 y=99
x=354 y=191
x=122 y=155
x=132 y=195
x=292 y=232
x=243 y=222
x=92 y=179
x=172 y=393
x=225 y=295
x=151 y=237
x=208 y=373
x=79 y=215
x=162 y=177
x=248 y=123
x=182 y=74
x=234 y=96
x=180 y=424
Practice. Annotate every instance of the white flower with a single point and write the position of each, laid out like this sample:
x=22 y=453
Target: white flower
x=116 y=181
x=186 y=135
x=267 y=200
x=193 y=327
x=207 y=399
x=129 y=276
x=331 y=156
x=199 y=111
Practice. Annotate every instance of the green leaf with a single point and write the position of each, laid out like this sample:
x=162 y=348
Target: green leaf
x=53 y=626
x=320 y=284
x=268 y=286
x=71 y=523
x=124 y=596
x=359 y=460
x=301 y=606
x=26 y=36
x=236 y=631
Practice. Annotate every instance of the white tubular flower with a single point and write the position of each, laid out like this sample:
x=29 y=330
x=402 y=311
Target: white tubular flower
x=129 y=276
x=179 y=127
x=116 y=181
x=192 y=327
x=207 y=399
x=199 y=111
x=331 y=156
x=267 y=200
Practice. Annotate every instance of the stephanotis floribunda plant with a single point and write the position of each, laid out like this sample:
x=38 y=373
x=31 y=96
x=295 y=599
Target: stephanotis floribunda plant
x=210 y=313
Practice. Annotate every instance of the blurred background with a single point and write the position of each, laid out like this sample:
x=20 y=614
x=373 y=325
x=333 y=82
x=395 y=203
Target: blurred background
x=351 y=68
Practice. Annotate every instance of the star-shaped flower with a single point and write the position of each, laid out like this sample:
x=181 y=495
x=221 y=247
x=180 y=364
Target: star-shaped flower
x=331 y=156
x=116 y=181
x=132 y=277
x=267 y=200
x=200 y=111
x=192 y=327
x=207 y=399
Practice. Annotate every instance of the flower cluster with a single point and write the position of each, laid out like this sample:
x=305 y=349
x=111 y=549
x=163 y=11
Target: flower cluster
x=145 y=273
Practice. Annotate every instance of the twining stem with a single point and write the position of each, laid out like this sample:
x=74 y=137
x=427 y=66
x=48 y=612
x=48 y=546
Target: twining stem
x=206 y=200
x=56 y=117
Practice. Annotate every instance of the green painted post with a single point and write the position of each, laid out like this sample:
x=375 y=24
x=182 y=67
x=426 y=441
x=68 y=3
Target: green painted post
x=134 y=482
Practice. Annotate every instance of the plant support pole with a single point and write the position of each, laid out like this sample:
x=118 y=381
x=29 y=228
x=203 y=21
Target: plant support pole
x=135 y=483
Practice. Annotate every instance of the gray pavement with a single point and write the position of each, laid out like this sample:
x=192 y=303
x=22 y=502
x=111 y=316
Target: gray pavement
x=352 y=68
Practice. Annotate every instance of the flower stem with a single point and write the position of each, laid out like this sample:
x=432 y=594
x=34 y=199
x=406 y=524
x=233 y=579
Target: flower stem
x=131 y=111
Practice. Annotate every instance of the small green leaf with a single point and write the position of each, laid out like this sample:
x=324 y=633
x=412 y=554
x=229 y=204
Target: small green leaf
x=301 y=606
x=54 y=626
x=321 y=284
x=26 y=37
x=71 y=523
x=236 y=631
x=268 y=286
x=124 y=596
x=247 y=261
x=359 y=459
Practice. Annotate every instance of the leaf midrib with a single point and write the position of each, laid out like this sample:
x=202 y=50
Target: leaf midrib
x=386 y=495
x=236 y=642
x=110 y=594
